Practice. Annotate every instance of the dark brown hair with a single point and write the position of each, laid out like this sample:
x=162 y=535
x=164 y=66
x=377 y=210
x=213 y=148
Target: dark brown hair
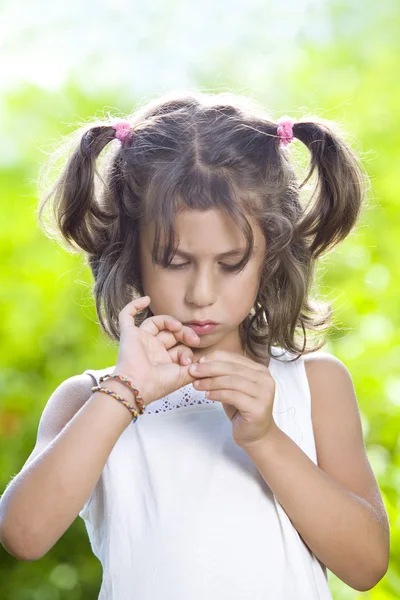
x=201 y=151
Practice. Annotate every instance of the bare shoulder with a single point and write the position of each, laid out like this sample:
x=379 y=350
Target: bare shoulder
x=334 y=406
x=329 y=380
x=66 y=400
x=337 y=426
x=64 y=403
x=316 y=360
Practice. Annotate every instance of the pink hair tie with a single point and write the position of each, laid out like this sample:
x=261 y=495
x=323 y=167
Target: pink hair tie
x=285 y=130
x=122 y=130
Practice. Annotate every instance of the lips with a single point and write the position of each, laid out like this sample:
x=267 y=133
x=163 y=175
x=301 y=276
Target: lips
x=200 y=323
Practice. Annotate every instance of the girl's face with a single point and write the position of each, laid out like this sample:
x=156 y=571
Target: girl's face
x=204 y=288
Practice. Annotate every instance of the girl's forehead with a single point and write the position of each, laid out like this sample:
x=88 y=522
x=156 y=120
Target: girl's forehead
x=205 y=227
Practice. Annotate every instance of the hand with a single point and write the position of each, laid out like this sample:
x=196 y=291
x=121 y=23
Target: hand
x=246 y=390
x=180 y=353
x=149 y=356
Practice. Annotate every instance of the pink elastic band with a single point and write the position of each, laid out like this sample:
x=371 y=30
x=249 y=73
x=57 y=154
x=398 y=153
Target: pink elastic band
x=122 y=130
x=285 y=130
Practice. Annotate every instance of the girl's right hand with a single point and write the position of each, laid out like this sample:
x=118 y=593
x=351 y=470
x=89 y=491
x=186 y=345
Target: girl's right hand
x=144 y=354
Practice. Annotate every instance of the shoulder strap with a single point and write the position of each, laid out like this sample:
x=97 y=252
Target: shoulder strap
x=97 y=373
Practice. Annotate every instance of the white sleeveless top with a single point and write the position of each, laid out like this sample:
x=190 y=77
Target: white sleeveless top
x=181 y=512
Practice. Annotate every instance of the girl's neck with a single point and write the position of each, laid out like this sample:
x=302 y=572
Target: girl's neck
x=264 y=360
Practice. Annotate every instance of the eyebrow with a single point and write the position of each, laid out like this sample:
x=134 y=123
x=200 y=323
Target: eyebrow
x=234 y=252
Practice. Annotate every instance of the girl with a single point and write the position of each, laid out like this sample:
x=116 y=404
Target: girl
x=241 y=475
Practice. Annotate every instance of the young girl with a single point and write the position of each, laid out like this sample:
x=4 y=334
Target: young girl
x=243 y=475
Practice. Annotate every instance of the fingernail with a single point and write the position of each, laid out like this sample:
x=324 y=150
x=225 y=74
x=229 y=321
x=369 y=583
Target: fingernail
x=188 y=360
x=203 y=358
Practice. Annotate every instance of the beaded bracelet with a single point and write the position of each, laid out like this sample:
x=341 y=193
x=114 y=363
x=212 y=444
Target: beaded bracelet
x=126 y=381
x=98 y=388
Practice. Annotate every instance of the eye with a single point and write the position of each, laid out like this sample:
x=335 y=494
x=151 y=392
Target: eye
x=224 y=267
x=171 y=266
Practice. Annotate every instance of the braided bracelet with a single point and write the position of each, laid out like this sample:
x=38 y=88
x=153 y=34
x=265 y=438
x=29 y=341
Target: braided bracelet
x=98 y=388
x=126 y=381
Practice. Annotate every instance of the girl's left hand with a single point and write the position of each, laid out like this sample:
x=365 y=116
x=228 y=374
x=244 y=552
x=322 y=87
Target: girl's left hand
x=246 y=390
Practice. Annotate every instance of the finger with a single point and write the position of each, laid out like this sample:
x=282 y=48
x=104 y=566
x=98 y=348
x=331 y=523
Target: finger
x=167 y=338
x=230 y=411
x=233 y=402
x=235 y=358
x=158 y=323
x=126 y=316
x=185 y=355
x=187 y=336
x=213 y=368
x=235 y=383
x=161 y=325
x=170 y=343
x=179 y=353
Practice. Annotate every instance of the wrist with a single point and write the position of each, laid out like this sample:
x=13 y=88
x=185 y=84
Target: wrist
x=270 y=439
x=122 y=389
x=135 y=381
x=103 y=399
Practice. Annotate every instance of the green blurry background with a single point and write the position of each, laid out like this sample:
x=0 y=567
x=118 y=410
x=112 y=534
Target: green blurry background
x=61 y=64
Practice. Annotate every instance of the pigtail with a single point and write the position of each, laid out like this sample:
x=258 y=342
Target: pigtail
x=76 y=211
x=339 y=190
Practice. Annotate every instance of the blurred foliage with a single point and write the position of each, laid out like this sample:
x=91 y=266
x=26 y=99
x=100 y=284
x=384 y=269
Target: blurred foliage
x=354 y=78
x=48 y=325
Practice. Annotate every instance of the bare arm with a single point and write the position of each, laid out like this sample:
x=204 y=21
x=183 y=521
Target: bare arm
x=336 y=505
x=339 y=527
x=77 y=432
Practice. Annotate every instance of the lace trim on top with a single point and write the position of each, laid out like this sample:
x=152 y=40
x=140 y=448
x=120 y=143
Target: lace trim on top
x=185 y=396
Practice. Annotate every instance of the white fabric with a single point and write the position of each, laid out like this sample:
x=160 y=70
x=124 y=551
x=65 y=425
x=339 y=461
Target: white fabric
x=181 y=512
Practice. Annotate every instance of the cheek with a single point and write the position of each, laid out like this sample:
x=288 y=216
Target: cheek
x=165 y=291
x=249 y=280
x=244 y=289
x=240 y=291
x=158 y=278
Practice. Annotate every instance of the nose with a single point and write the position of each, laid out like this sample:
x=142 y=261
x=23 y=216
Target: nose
x=202 y=288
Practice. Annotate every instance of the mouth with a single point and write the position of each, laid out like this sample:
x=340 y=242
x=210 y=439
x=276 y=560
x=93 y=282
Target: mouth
x=201 y=323
x=204 y=327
